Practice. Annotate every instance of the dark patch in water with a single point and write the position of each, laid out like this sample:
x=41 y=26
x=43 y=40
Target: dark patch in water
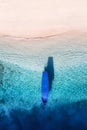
x=1 y=74
x=2 y=101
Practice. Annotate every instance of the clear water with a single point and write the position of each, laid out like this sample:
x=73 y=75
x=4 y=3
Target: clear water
x=21 y=66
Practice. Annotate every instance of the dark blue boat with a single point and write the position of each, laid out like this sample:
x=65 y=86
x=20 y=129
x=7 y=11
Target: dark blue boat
x=45 y=87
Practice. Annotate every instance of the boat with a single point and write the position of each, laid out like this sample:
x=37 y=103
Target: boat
x=45 y=87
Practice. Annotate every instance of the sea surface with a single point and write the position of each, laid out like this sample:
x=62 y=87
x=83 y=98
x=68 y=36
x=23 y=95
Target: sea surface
x=22 y=62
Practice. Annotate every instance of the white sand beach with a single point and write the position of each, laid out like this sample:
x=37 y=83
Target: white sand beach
x=30 y=18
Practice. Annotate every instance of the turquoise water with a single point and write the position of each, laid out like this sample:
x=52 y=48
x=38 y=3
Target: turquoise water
x=21 y=66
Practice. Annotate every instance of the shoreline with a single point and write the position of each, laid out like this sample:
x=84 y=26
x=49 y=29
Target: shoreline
x=46 y=35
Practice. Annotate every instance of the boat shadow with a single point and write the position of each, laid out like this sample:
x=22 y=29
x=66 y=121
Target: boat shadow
x=50 y=69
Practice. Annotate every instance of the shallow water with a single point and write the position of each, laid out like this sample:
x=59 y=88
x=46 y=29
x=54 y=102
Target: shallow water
x=21 y=66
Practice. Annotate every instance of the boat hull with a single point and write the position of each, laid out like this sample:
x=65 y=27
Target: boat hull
x=45 y=87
